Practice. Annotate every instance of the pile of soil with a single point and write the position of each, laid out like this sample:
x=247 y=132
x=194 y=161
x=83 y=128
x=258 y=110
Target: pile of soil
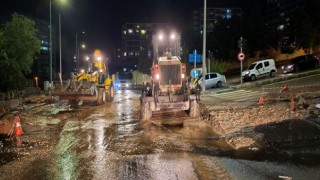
x=233 y=120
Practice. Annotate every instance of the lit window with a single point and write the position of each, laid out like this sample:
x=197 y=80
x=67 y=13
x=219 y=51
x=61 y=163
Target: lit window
x=143 y=31
x=124 y=32
x=130 y=31
x=44 y=48
x=44 y=42
x=280 y=27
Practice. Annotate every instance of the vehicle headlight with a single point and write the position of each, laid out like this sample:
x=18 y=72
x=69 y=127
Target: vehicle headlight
x=290 y=66
x=282 y=67
x=247 y=72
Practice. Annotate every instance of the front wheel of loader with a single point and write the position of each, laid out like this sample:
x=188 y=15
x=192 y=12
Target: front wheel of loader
x=194 y=110
x=101 y=96
x=110 y=94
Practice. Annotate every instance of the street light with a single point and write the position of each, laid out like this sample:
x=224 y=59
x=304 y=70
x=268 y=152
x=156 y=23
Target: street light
x=77 y=51
x=60 y=76
x=36 y=78
x=204 y=45
x=50 y=43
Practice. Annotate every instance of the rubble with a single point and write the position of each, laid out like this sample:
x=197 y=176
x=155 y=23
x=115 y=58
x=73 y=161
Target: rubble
x=231 y=119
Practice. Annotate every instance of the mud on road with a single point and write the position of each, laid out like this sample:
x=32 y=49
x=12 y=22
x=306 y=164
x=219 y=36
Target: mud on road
x=83 y=142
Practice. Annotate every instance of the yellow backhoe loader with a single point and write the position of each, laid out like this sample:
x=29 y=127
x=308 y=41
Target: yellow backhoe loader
x=93 y=85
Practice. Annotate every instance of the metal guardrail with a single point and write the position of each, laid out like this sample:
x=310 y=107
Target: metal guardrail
x=19 y=94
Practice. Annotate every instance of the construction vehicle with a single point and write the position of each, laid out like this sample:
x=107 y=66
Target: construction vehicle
x=168 y=88
x=93 y=85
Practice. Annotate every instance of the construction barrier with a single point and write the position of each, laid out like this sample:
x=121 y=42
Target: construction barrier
x=291 y=94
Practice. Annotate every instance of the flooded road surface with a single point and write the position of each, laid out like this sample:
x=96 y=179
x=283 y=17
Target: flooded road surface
x=110 y=142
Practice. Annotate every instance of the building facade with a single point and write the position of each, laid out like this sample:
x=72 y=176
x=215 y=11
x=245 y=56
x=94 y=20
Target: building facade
x=279 y=18
x=214 y=16
x=137 y=38
x=280 y=11
x=41 y=67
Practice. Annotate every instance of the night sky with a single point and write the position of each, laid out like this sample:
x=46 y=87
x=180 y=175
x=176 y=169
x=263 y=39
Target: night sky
x=102 y=19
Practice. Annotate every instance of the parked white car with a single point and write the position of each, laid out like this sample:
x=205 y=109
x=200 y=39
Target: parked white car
x=260 y=69
x=213 y=79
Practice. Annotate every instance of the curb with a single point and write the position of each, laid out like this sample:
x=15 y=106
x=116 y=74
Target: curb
x=275 y=79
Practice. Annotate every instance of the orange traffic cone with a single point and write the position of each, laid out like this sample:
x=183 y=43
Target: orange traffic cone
x=292 y=104
x=261 y=101
x=285 y=88
x=19 y=131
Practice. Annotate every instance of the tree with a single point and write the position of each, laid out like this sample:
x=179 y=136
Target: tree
x=18 y=47
x=305 y=26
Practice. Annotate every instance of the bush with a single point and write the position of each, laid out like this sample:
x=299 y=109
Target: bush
x=219 y=66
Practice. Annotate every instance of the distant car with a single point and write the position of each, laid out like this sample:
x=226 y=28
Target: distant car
x=125 y=84
x=213 y=79
x=300 y=63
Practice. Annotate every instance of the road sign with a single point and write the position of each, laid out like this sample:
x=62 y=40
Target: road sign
x=195 y=73
x=191 y=58
x=241 y=56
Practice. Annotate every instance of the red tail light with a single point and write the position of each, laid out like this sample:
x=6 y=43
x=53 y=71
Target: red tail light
x=183 y=68
x=156 y=68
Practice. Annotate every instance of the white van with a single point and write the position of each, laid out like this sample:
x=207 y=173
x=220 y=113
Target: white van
x=260 y=69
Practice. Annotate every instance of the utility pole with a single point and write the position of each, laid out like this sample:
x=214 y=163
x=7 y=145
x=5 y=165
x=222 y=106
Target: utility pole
x=204 y=46
x=60 y=49
x=195 y=58
x=50 y=47
x=76 y=54
x=241 y=55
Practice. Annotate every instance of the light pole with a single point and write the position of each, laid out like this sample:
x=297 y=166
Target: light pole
x=77 y=52
x=60 y=48
x=36 y=78
x=76 y=55
x=204 y=46
x=50 y=47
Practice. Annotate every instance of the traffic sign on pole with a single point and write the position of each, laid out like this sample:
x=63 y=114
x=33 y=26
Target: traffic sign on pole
x=241 y=56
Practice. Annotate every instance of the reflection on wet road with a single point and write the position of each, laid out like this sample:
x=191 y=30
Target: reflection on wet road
x=110 y=142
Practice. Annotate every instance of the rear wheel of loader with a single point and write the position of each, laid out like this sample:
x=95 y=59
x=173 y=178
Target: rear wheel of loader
x=194 y=110
x=146 y=111
x=110 y=94
x=101 y=96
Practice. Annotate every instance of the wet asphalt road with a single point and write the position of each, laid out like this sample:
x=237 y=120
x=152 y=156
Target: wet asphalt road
x=110 y=142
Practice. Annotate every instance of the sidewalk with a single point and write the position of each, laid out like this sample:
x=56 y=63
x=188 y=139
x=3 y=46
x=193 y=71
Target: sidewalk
x=235 y=81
